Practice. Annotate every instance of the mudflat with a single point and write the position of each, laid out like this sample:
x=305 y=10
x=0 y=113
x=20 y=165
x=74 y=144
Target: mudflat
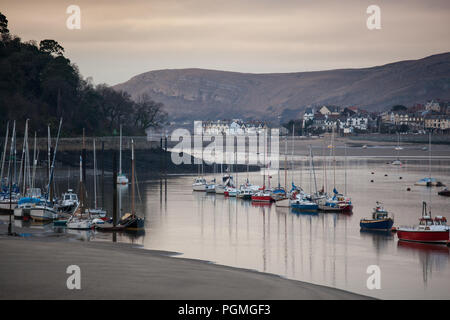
x=33 y=268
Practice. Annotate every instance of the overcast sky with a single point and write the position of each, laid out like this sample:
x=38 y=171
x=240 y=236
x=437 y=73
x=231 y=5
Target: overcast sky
x=120 y=39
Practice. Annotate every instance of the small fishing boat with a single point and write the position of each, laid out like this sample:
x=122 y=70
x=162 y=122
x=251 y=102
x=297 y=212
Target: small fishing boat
x=262 y=196
x=278 y=193
x=303 y=204
x=427 y=231
x=79 y=223
x=379 y=221
x=444 y=192
x=429 y=182
x=231 y=192
x=245 y=192
x=227 y=181
x=68 y=202
x=199 y=184
x=337 y=203
x=211 y=187
x=43 y=211
x=396 y=162
x=131 y=221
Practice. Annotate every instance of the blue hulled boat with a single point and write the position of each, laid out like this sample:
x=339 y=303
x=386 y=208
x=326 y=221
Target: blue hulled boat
x=380 y=220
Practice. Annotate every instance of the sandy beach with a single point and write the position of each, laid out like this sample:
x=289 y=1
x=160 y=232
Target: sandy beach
x=35 y=268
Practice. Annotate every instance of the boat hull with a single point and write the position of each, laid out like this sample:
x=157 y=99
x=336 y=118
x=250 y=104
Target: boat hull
x=219 y=189
x=210 y=190
x=423 y=236
x=284 y=203
x=79 y=225
x=42 y=214
x=5 y=206
x=262 y=198
x=200 y=187
x=385 y=224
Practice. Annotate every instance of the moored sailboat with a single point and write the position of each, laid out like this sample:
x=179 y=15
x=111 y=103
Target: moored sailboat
x=121 y=177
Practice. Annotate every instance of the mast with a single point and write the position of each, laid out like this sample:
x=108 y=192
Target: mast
x=12 y=155
x=24 y=158
x=14 y=137
x=81 y=184
x=292 y=153
x=4 y=153
x=52 y=170
x=83 y=174
x=132 y=179
x=22 y=162
x=429 y=169
x=95 y=179
x=235 y=161
x=310 y=170
x=312 y=164
x=285 y=163
x=120 y=152
x=34 y=160
x=324 y=154
x=334 y=158
x=49 y=146
x=345 y=169
x=264 y=173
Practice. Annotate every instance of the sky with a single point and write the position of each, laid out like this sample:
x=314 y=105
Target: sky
x=120 y=39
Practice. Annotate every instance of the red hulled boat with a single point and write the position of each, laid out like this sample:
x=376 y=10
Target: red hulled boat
x=427 y=231
x=262 y=196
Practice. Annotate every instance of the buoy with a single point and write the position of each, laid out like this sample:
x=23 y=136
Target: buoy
x=372 y=173
x=400 y=178
x=385 y=175
x=408 y=189
x=371 y=180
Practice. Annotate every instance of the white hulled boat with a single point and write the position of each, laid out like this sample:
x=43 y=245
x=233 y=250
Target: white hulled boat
x=199 y=184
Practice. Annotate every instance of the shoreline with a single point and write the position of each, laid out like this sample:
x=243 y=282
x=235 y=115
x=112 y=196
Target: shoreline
x=34 y=267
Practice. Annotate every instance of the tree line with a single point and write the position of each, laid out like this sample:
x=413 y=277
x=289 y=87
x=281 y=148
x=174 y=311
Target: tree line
x=39 y=83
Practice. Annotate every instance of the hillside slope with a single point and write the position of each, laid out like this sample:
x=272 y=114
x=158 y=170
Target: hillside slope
x=209 y=94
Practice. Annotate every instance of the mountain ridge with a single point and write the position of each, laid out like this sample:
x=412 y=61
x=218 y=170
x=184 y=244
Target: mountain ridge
x=195 y=93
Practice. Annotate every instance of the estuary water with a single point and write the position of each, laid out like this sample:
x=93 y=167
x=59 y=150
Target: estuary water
x=324 y=248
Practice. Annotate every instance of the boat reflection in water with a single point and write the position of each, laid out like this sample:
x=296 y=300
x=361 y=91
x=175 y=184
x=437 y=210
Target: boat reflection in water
x=304 y=212
x=432 y=257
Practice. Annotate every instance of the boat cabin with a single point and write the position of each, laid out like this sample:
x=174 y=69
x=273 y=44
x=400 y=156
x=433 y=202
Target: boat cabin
x=426 y=221
x=199 y=181
x=440 y=221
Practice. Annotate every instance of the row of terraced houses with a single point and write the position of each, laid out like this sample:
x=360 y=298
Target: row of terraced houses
x=431 y=116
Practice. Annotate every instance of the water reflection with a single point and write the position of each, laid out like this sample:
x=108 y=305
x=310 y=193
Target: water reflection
x=323 y=248
x=432 y=257
x=380 y=239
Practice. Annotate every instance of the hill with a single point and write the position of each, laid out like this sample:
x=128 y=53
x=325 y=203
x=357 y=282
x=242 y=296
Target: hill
x=209 y=94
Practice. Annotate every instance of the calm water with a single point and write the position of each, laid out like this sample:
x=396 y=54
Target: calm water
x=324 y=248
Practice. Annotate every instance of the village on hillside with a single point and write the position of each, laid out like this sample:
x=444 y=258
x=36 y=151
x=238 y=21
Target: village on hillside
x=433 y=116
